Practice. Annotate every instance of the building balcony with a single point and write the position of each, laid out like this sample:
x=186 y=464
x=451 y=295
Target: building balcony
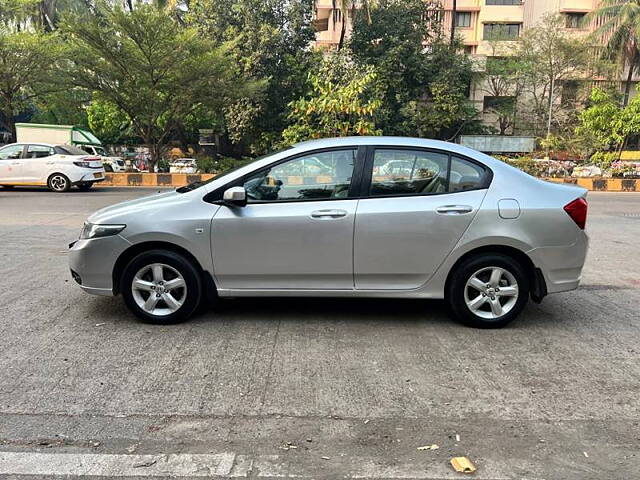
x=567 y=6
x=463 y=5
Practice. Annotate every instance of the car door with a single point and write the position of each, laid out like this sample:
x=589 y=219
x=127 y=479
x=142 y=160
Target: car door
x=416 y=205
x=296 y=231
x=11 y=164
x=38 y=161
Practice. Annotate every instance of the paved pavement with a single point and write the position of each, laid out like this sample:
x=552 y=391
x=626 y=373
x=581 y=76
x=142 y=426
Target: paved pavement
x=355 y=385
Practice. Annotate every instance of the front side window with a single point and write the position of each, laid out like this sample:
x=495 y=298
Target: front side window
x=407 y=172
x=318 y=176
x=11 y=152
x=39 y=151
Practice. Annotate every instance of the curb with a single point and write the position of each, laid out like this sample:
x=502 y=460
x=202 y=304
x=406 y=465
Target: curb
x=179 y=179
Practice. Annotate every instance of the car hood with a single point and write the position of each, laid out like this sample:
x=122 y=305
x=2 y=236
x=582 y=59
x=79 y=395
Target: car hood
x=119 y=212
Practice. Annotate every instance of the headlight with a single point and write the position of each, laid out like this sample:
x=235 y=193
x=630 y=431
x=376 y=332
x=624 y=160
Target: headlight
x=82 y=164
x=91 y=230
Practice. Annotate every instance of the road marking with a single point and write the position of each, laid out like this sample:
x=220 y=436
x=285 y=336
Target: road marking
x=229 y=465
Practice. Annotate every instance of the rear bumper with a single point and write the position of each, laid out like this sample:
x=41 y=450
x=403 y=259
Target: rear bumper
x=561 y=266
x=92 y=261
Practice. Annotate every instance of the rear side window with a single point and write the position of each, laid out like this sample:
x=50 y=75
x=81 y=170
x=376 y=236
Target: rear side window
x=69 y=150
x=402 y=172
x=465 y=175
x=417 y=172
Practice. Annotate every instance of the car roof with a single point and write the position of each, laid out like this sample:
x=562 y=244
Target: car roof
x=397 y=142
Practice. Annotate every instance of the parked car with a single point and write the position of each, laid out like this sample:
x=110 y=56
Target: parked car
x=463 y=226
x=183 y=165
x=111 y=164
x=58 y=167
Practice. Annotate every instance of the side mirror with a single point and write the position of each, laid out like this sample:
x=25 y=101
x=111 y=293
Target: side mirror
x=235 y=196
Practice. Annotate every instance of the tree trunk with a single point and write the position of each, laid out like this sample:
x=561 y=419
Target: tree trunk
x=453 y=21
x=627 y=87
x=10 y=122
x=343 y=31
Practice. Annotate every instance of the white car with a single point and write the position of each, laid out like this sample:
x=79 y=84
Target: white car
x=183 y=165
x=111 y=164
x=58 y=167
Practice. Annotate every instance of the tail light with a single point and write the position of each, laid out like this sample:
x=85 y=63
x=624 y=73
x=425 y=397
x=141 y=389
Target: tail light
x=577 y=210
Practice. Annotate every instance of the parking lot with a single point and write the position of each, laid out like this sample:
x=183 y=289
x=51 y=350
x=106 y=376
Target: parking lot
x=312 y=387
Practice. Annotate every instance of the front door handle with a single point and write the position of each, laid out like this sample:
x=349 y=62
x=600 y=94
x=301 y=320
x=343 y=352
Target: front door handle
x=328 y=214
x=454 y=209
x=16 y=163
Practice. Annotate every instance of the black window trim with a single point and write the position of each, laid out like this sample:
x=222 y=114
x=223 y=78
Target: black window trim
x=365 y=187
x=215 y=196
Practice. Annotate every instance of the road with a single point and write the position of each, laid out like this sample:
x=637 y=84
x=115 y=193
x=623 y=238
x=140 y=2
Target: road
x=355 y=385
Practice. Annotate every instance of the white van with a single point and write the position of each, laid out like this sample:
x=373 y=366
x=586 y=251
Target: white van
x=58 y=167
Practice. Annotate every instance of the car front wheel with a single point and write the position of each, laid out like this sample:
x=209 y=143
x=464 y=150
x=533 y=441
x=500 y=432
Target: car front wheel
x=161 y=286
x=488 y=290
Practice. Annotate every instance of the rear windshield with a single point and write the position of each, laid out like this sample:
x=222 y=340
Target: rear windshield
x=69 y=150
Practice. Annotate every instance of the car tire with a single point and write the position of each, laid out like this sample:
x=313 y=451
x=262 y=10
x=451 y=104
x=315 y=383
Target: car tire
x=85 y=186
x=59 y=182
x=8 y=187
x=488 y=290
x=151 y=299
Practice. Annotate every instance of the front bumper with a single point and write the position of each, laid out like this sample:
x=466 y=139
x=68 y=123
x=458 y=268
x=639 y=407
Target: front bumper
x=92 y=261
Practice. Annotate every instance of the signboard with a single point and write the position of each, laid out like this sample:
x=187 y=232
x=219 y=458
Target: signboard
x=206 y=136
x=498 y=143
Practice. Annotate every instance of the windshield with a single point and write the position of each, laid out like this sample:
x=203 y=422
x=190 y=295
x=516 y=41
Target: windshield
x=69 y=150
x=223 y=173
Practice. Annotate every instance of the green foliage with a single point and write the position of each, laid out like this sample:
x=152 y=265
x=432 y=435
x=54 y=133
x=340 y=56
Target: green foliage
x=27 y=60
x=269 y=41
x=151 y=68
x=420 y=87
x=334 y=110
x=220 y=164
x=108 y=122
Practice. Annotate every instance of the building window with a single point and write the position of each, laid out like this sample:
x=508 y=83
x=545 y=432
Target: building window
x=574 y=20
x=504 y=103
x=504 y=2
x=501 y=31
x=463 y=19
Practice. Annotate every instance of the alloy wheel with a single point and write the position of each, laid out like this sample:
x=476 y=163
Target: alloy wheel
x=159 y=289
x=491 y=292
x=58 y=183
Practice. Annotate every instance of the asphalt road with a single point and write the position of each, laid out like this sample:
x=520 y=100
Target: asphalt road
x=355 y=385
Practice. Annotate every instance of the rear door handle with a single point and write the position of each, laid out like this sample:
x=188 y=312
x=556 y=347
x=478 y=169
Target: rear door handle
x=454 y=209
x=16 y=163
x=328 y=214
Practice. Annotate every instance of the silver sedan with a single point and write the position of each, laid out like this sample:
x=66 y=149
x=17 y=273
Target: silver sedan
x=349 y=217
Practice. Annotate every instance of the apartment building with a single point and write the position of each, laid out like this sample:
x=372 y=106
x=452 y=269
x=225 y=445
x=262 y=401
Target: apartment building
x=479 y=23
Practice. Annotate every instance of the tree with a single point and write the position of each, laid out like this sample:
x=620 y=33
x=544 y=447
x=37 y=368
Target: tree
x=503 y=81
x=27 y=60
x=549 y=58
x=348 y=8
x=334 y=110
x=108 y=122
x=608 y=125
x=619 y=30
x=154 y=70
x=269 y=41
x=416 y=68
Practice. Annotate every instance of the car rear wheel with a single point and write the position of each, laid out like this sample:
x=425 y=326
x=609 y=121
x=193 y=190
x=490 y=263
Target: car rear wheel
x=162 y=287
x=488 y=290
x=59 y=183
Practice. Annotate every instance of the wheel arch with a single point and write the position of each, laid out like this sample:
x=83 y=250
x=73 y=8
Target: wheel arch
x=536 y=278
x=125 y=257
